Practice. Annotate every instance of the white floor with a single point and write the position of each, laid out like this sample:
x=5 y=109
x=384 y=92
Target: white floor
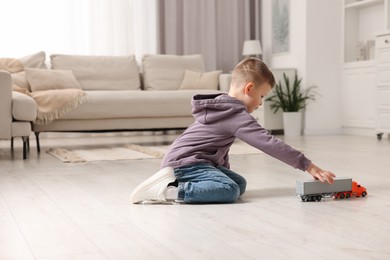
x=53 y=210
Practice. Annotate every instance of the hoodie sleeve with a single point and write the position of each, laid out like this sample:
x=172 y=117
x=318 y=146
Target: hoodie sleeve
x=252 y=133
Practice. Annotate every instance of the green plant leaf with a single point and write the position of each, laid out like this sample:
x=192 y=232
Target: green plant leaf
x=290 y=97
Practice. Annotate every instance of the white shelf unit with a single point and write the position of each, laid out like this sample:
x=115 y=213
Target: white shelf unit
x=382 y=43
x=363 y=21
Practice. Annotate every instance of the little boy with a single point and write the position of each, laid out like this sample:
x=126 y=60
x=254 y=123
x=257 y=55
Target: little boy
x=196 y=168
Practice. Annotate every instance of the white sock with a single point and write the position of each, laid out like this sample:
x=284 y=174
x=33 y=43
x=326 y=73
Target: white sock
x=171 y=193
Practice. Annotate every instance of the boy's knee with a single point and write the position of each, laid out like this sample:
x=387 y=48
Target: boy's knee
x=234 y=192
x=242 y=186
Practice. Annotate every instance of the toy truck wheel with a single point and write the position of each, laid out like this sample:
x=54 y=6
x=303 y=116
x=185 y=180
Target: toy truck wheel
x=364 y=194
x=342 y=196
x=311 y=198
x=348 y=195
x=319 y=197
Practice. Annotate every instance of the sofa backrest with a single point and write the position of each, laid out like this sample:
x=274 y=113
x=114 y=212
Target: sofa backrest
x=166 y=72
x=100 y=72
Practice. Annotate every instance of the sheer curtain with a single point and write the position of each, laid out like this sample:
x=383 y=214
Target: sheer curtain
x=112 y=27
x=214 y=28
x=90 y=27
x=31 y=26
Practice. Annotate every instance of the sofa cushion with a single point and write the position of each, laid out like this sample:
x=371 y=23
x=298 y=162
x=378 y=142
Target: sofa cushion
x=17 y=66
x=166 y=72
x=13 y=65
x=23 y=107
x=135 y=104
x=197 y=80
x=36 y=60
x=100 y=72
x=20 y=79
x=41 y=79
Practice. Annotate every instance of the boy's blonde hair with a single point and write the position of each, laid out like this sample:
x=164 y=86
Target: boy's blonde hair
x=252 y=70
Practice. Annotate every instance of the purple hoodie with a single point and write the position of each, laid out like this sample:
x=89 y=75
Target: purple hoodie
x=219 y=120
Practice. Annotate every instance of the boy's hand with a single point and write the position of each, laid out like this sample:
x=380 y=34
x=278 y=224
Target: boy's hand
x=320 y=174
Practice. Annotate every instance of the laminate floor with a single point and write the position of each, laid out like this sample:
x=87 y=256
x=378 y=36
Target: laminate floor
x=52 y=210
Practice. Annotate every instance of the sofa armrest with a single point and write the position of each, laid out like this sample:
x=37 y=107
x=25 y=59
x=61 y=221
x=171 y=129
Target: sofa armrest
x=5 y=104
x=224 y=82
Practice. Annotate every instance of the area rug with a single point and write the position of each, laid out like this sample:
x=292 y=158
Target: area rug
x=94 y=155
x=130 y=152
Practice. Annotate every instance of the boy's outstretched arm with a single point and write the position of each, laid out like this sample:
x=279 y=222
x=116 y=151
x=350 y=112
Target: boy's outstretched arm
x=320 y=174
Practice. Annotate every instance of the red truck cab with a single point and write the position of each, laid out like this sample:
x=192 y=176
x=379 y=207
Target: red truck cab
x=357 y=191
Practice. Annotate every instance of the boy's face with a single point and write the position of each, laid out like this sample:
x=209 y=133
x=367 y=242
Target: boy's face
x=254 y=95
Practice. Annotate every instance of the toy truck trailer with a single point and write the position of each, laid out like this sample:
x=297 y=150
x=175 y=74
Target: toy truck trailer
x=312 y=190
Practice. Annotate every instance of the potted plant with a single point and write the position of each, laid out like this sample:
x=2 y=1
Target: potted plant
x=292 y=99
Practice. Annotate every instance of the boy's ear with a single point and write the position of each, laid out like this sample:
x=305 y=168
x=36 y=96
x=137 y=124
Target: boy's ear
x=248 y=87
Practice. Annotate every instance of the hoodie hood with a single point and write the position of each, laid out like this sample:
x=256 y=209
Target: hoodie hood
x=214 y=107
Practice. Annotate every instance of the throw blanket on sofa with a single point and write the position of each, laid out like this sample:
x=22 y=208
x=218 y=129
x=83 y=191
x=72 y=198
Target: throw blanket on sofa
x=11 y=65
x=54 y=103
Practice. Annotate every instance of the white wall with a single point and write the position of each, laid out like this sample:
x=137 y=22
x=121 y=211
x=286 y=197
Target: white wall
x=324 y=64
x=295 y=58
x=315 y=51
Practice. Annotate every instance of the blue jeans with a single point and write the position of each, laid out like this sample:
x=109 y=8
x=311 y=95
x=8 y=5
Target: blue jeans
x=204 y=183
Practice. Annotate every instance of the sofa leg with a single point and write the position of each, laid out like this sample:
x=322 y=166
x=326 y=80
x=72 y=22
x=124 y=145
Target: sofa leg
x=37 y=138
x=12 y=144
x=25 y=144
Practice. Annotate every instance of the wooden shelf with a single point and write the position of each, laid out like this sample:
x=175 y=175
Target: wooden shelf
x=363 y=3
x=359 y=64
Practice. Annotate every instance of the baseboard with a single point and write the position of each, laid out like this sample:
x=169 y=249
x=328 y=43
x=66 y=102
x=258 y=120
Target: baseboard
x=360 y=131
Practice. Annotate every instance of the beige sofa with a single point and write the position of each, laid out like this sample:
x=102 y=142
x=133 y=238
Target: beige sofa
x=122 y=96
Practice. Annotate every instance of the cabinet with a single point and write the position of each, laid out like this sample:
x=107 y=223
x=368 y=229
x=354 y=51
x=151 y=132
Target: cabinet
x=359 y=108
x=382 y=43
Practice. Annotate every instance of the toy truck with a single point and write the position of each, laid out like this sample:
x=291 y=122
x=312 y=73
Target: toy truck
x=312 y=190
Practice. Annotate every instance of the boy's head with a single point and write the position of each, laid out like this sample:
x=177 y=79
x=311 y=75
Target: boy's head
x=251 y=81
